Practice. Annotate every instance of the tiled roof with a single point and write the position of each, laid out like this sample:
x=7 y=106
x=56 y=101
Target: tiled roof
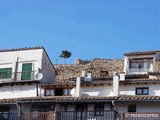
x=154 y=73
x=140 y=80
x=73 y=83
x=19 y=49
x=136 y=76
x=142 y=52
x=18 y=82
x=8 y=101
x=61 y=99
x=91 y=99
x=99 y=69
x=65 y=99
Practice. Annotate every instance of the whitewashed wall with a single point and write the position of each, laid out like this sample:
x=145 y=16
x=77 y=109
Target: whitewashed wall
x=9 y=59
x=47 y=69
x=17 y=91
x=37 y=57
x=131 y=89
x=97 y=91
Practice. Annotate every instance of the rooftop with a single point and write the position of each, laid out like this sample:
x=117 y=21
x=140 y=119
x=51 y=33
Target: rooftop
x=147 y=52
x=62 y=99
x=19 y=49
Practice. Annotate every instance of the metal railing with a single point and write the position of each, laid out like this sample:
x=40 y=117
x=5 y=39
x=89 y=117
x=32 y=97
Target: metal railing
x=138 y=70
x=9 y=116
x=86 y=115
x=18 y=76
x=62 y=115
x=38 y=116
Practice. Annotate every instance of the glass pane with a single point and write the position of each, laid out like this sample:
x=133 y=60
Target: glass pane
x=65 y=91
x=5 y=73
x=145 y=91
x=139 y=91
x=52 y=92
x=47 y=92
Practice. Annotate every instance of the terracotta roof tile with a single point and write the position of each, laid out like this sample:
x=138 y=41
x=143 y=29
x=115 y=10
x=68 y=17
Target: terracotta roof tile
x=19 y=49
x=78 y=99
x=142 y=52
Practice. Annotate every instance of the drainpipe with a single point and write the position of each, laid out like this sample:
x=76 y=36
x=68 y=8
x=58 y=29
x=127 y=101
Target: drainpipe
x=78 y=87
x=116 y=79
x=16 y=70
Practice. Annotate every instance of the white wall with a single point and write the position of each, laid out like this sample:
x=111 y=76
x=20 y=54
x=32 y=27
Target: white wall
x=47 y=69
x=37 y=57
x=130 y=89
x=9 y=59
x=17 y=91
x=103 y=91
x=96 y=91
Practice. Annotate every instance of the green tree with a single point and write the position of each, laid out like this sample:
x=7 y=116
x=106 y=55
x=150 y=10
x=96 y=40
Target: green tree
x=65 y=54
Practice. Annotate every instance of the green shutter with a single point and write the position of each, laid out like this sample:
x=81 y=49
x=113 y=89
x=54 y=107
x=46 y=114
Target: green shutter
x=5 y=73
x=26 y=71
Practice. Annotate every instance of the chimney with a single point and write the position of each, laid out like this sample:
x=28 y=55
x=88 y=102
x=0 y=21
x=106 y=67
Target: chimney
x=116 y=79
x=78 y=87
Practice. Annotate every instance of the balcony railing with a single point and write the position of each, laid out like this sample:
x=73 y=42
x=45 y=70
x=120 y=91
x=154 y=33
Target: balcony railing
x=9 y=116
x=18 y=76
x=139 y=70
x=141 y=116
x=86 y=115
x=62 y=115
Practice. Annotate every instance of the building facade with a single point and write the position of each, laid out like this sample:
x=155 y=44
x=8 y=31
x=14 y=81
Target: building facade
x=127 y=95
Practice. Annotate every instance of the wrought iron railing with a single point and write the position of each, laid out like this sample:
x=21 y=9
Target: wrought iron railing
x=18 y=76
x=9 y=116
x=61 y=115
x=138 y=70
x=86 y=115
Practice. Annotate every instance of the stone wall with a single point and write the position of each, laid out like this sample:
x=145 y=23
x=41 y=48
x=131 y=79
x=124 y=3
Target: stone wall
x=100 y=69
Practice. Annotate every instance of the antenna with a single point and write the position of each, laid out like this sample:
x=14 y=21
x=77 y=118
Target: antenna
x=38 y=76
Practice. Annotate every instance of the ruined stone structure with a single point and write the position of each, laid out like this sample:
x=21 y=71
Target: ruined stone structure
x=98 y=67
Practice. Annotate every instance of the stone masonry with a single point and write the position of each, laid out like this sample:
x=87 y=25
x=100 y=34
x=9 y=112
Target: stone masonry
x=98 y=67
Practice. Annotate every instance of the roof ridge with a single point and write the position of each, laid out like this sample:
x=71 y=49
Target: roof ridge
x=24 y=48
x=142 y=52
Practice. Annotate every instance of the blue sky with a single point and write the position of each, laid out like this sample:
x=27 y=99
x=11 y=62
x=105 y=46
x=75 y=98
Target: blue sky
x=88 y=28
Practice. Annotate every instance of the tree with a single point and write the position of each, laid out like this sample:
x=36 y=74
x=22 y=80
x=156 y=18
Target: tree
x=65 y=54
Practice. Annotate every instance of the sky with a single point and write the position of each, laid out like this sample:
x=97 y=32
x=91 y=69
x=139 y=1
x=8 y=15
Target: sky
x=87 y=28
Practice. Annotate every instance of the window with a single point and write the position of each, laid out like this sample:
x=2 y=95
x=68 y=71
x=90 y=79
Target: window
x=142 y=91
x=5 y=73
x=49 y=92
x=42 y=108
x=99 y=108
x=81 y=107
x=26 y=71
x=67 y=92
x=132 y=108
x=141 y=63
x=4 y=112
x=58 y=92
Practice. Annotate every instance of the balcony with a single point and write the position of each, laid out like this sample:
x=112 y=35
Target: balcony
x=62 y=115
x=139 y=70
x=18 y=76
